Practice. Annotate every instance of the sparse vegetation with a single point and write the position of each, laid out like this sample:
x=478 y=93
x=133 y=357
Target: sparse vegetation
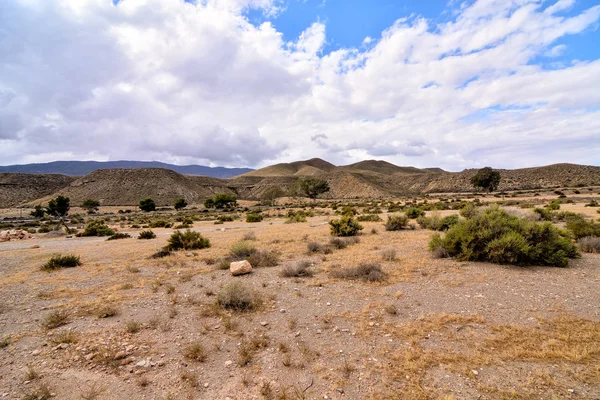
x=366 y=272
x=236 y=296
x=119 y=235
x=59 y=261
x=496 y=236
x=147 y=235
x=589 y=244
x=300 y=269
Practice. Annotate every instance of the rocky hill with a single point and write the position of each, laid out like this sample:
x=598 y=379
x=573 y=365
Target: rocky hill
x=16 y=188
x=366 y=179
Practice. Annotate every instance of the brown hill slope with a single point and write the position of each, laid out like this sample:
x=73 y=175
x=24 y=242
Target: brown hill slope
x=19 y=188
x=309 y=167
x=128 y=186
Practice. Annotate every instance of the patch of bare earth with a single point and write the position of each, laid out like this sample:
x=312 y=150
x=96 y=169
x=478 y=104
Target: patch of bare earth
x=130 y=327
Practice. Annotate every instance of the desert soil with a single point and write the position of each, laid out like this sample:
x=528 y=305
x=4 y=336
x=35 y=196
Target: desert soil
x=435 y=329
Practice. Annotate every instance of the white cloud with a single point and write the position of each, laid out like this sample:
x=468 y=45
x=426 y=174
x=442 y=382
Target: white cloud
x=173 y=81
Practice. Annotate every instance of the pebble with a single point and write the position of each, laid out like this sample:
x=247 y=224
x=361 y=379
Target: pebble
x=35 y=353
x=206 y=385
x=282 y=310
x=475 y=372
x=264 y=323
x=228 y=363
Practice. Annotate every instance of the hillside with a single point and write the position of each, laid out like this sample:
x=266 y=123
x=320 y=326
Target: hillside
x=367 y=179
x=80 y=168
x=16 y=188
x=129 y=186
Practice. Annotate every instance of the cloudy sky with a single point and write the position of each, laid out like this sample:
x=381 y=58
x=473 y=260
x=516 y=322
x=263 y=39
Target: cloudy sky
x=506 y=83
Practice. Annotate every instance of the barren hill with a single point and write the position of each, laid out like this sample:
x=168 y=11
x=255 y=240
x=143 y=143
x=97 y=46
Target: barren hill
x=128 y=186
x=299 y=168
x=16 y=188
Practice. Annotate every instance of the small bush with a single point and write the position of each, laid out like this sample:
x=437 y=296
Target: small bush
x=589 y=244
x=55 y=319
x=118 y=236
x=132 y=326
x=414 y=212
x=254 y=217
x=365 y=272
x=388 y=254
x=195 y=352
x=496 y=236
x=314 y=247
x=342 y=243
x=188 y=240
x=58 y=261
x=97 y=227
x=160 y=223
x=369 y=218
x=396 y=222
x=236 y=296
x=345 y=226
x=264 y=258
x=438 y=224
x=297 y=216
x=161 y=254
x=106 y=311
x=468 y=211
x=580 y=227
x=555 y=205
x=147 y=235
x=298 y=269
x=242 y=250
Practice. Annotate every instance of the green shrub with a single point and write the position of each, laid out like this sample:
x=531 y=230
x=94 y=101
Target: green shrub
x=468 y=210
x=396 y=222
x=436 y=223
x=345 y=226
x=555 y=205
x=146 y=235
x=118 y=236
x=160 y=223
x=592 y=203
x=188 y=240
x=147 y=205
x=545 y=214
x=496 y=236
x=180 y=203
x=580 y=227
x=414 y=212
x=58 y=261
x=97 y=227
x=297 y=216
x=254 y=217
x=369 y=218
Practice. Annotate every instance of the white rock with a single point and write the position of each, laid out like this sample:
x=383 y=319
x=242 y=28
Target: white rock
x=240 y=268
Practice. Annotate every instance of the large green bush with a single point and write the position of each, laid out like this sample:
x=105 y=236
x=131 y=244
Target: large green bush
x=414 y=212
x=396 y=222
x=437 y=223
x=496 y=236
x=188 y=240
x=345 y=226
x=579 y=227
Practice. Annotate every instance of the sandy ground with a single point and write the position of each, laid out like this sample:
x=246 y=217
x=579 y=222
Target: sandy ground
x=436 y=329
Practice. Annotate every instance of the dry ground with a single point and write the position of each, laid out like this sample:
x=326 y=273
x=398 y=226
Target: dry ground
x=436 y=329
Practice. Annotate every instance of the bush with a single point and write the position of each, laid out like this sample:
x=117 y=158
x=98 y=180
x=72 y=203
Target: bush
x=221 y=200
x=160 y=223
x=496 y=236
x=545 y=214
x=58 y=261
x=314 y=247
x=342 y=243
x=298 y=269
x=555 y=205
x=188 y=240
x=438 y=224
x=468 y=211
x=366 y=272
x=264 y=258
x=161 y=254
x=254 y=217
x=147 y=205
x=97 y=227
x=369 y=218
x=118 y=236
x=414 y=212
x=236 y=296
x=345 y=226
x=582 y=228
x=589 y=244
x=242 y=250
x=180 y=204
x=297 y=216
x=146 y=235
x=396 y=222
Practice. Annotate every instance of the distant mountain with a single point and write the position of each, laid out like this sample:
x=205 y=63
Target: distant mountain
x=80 y=168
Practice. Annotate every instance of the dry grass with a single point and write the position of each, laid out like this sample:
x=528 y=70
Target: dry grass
x=55 y=319
x=248 y=348
x=300 y=269
x=236 y=296
x=195 y=352
x=365 y=272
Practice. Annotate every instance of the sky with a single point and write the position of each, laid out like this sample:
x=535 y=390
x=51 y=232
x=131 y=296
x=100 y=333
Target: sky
x=249 y=83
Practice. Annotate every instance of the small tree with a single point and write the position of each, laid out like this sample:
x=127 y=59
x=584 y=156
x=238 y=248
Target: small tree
x=221 y=200
x=180 y=203
x=147 y=205
x=59 y=206
x=486 y=178
x=270 y=196
x=90 y=205
x=38 y=212
x=310 y=187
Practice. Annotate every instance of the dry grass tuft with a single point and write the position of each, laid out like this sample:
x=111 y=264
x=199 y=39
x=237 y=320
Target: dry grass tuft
x=55 y=319
x=195 y=351
x=366 y=272
x=236 y=296
x=298 y=269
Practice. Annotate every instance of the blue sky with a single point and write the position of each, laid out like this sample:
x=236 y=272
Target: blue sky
x=506 y=83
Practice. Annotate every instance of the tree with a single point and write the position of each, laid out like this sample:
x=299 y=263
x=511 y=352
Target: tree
x=310 y=187
x=38 y=212
x=58 y=207
x=147 y=205
x=270 y=196
x=90 y=205
x=180 y=203
x=486 y=178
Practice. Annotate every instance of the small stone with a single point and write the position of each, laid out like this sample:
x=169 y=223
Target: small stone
x=206 y=385
x=328 y=303
x=297 y=334
x=35 y=246
x=282 y=310
x=571 y=390
x=264 y=323
x=228 y=363
x=371 y=323
x=340 y=390
x=319 y=331
x=90 y=356
x=36 y=352
x=475 y=372
x=120 y=355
